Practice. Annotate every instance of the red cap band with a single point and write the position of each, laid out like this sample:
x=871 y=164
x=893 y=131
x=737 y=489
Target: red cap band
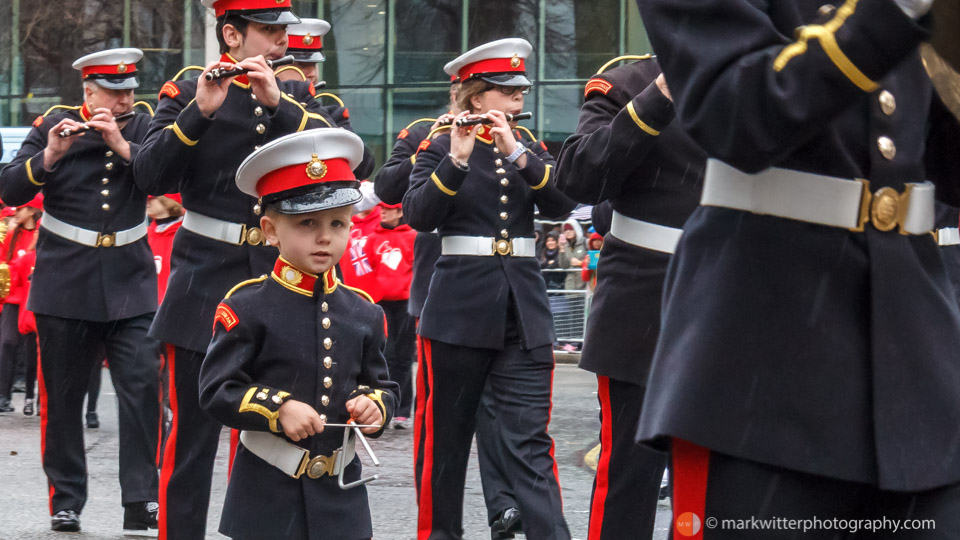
x=223 y=6
x=115 y=69
x=297 y=42
x=294 y=176
x=492 y=65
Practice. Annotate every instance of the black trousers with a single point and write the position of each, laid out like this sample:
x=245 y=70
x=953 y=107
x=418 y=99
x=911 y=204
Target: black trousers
x=522 y=382
x=719 y=497
x=623 y=503
x=69 y=348
x=494 y=478
x=189 y=452
x=93 y=387
x=400 y=351
x=11 y=347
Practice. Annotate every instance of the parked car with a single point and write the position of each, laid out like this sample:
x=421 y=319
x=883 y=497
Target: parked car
x=12 y=138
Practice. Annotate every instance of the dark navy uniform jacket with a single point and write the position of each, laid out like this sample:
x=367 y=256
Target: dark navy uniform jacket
x=391 y=185
x=292 y=335
x=807 y=347
x=199 y=157
x=470 y=296
x=628 y=150
x=93 y=188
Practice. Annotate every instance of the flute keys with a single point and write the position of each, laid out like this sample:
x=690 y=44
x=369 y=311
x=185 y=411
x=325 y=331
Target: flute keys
x=261 y=129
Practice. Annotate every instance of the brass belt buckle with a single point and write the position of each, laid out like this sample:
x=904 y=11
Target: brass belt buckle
x=885 y=210
x=503 y=247
x=252 y=236
x=106 y=240
x=321 y=466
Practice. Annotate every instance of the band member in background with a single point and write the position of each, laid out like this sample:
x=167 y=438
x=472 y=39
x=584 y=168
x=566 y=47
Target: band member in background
x=392 y=183
x=628 y=150
x=94 y=285
x=486 y=317
x=807 y=362
x=201 y=133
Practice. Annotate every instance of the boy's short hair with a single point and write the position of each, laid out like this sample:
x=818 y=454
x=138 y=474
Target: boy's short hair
x=237 y=22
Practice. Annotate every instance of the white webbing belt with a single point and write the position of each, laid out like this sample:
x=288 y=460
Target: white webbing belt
x=292 y=459
x=217 y=229
x=645 y=234
x=90 y=238
x=948 y=236
x=485 y=246
x=814 y=198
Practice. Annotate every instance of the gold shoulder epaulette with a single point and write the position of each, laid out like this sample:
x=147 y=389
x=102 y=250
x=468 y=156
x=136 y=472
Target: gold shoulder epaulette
x=67 y=107
x=145 y=105
x=331 y=96
x=420 y=121
x=299 y=71
x=528 y=132
x=438 y=130
x=622 y=58
x=243 y=284
x=184 y=70
x=361 y=292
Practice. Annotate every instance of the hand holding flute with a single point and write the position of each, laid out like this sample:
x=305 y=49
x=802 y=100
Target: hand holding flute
x=474 y=120
x=224 y=73
x=69 y=132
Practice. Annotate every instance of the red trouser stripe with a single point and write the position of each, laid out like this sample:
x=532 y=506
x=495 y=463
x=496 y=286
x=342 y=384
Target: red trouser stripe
x=42 y=399
x=690 y=468
x=234 y=441
x=425 y=516
x=602 y=483
x=553 y=443
x=418 y=413
x=170 y=450
x=159 y=459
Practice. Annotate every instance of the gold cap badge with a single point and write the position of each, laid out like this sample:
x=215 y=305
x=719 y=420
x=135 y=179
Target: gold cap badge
x=307 y=39
x=122 y=68
x=316 y=169
x=515 y=61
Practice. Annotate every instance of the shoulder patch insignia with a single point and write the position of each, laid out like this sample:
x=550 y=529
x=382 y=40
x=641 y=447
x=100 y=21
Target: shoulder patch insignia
x=226 y=317
x=544 y=146
x=403 y=133
x=424 y=145
x=346 y=113
x=38 y=121
x=169 y=89
x=597 y=85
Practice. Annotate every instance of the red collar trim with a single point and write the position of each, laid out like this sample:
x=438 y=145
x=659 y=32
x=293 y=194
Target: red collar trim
x=299 y=281
x=85 y=113
x=242 y=80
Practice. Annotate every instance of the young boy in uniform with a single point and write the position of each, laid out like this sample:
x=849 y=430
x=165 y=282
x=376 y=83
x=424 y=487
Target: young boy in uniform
x=296 y=349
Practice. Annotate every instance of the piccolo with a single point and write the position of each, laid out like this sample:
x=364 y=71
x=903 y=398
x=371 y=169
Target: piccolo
x=223 y=73
x=320 y=85
x=483 y=119
x=84 y=128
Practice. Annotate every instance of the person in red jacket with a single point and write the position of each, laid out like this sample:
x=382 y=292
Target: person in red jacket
x=357 y=263
x=21 y=236
x=22 y=268
x=588 y=269
x=391 y=246
x=166 y=216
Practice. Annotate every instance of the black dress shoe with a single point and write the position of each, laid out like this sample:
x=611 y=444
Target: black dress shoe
x=5 y=405
x=93 y=421
x=65 y=521
x=506 y=524
x=140 y=516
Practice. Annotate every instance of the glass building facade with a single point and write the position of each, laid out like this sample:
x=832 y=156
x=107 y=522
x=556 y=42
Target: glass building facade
x=384 y=57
